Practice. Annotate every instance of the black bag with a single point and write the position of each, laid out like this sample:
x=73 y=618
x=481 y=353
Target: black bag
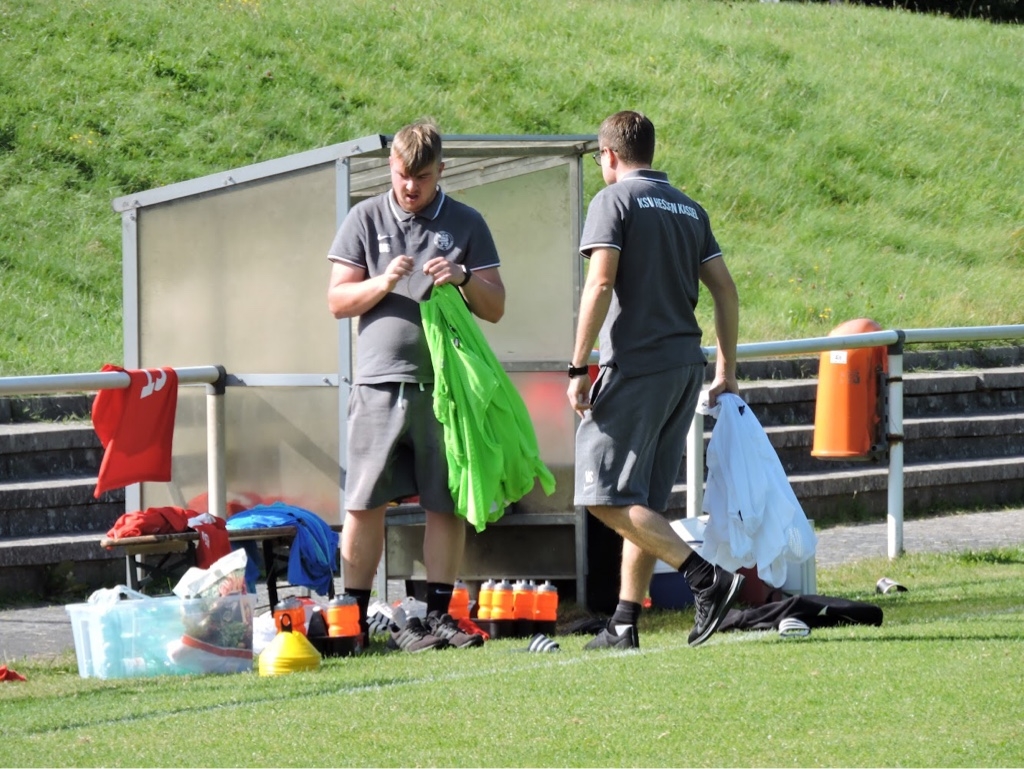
x=813 y=610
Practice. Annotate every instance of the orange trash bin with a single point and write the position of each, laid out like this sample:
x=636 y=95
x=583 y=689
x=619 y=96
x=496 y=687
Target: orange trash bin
x=847 y=411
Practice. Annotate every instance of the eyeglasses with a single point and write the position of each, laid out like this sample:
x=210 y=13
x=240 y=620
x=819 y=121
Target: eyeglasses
x=597 y=155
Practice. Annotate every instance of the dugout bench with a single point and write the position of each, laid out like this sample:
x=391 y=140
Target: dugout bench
x=177 y=550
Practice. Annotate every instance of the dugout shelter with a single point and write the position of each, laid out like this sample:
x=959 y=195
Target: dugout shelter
x=230 y=269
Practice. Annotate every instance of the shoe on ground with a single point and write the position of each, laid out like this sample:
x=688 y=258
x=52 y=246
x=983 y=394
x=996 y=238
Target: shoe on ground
x=609 y=639
x=444 y=627
x=791 y=627
x=541 y=643
x=712 y=603
x=414 y=637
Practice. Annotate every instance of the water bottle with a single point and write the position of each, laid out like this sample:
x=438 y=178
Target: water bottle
x=458 y=604
x=343 y=617
x=523 y=595
x=484 y=600
x=290 y=616
x=546 y=611
x=502 y=601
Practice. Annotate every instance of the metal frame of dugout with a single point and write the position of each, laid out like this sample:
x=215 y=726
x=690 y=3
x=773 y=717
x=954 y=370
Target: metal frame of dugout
x=232 y=267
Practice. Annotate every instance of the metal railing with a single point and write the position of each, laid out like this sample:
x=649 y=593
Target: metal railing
x=216 y=381
x=213 y=377
x=894 y=341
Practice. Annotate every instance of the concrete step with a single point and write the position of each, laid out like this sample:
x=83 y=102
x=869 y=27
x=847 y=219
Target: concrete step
x=925 y=440
x=914 y=361
x=51 y=506
x=54 y=548
x=46 y=408
x=937 y=393
x=52 y=565
x=925 y=394
x=39 y=449
x=862 y=493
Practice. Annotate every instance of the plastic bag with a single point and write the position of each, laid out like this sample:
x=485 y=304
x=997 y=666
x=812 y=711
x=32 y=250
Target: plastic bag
x=217 y=618
x=218 y=635
x=407 y=608
x=225 y=576
x=263 y=632
x=108 y=595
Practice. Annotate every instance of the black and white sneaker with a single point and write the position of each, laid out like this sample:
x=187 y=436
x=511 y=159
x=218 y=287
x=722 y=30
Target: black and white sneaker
x=444 y=627
x=414 y=637
x=625 y=638
x=541 y=643
x=712 y=603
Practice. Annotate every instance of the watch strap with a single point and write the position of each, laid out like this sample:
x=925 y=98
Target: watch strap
x=575 y=371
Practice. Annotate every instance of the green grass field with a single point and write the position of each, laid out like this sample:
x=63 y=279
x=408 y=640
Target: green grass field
x=856 y=162
x=938 y=684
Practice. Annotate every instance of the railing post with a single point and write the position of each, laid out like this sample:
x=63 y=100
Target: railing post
x=695 y=466
x=894 y=438
x=216 y=446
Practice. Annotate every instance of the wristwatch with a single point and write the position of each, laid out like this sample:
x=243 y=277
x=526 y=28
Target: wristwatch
x=575 y=371
x=469 y=274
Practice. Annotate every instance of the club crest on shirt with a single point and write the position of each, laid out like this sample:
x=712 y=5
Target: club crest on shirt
x=444 y=241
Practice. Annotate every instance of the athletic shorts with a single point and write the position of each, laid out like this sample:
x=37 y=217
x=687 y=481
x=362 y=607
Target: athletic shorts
x=630 y=445
x=395 y=448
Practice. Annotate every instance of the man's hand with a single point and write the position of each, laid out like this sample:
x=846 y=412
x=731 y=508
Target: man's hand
x=579 y=394
x=442 y=271
x=398 y=268
x=719 y=386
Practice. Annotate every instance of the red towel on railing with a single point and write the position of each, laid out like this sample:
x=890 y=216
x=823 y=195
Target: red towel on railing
x=136 y=427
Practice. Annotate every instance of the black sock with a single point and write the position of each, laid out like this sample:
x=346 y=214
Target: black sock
x=626 y=613
x=439 y=595
x=699 y=573
x=689 y=560
x=363 y=600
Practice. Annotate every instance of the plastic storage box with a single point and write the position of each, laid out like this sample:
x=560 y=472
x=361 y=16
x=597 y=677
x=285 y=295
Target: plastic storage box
x=167 y=635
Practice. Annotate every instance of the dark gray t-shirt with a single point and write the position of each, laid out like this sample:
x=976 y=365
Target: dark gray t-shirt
x=391 y=346
x=662 y=237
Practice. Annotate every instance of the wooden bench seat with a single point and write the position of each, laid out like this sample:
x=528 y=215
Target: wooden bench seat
x=178 y=550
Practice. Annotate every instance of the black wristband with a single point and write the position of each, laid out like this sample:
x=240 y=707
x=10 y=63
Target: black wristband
x=469 y=274
x=575 y=371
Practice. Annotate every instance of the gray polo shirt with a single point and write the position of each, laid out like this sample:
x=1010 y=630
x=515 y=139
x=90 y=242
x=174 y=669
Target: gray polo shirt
x=391 y=346
x=662 y=237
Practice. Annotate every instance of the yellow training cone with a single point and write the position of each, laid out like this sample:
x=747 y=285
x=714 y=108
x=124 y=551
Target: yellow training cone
x=288 y=653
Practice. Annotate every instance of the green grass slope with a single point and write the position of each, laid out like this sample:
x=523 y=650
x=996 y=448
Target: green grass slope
x=855 y=161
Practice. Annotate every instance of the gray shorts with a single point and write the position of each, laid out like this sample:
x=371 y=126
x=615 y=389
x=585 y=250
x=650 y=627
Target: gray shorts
x=395 y=448
x=630 y=445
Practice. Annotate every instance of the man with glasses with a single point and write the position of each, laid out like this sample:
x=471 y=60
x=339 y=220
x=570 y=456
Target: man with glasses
x=649 y=246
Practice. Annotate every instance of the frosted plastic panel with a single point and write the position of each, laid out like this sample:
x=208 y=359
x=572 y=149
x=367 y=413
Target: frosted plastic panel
x=531 y=219
x=282 y=443
x=238 y=277
x=555 y=425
